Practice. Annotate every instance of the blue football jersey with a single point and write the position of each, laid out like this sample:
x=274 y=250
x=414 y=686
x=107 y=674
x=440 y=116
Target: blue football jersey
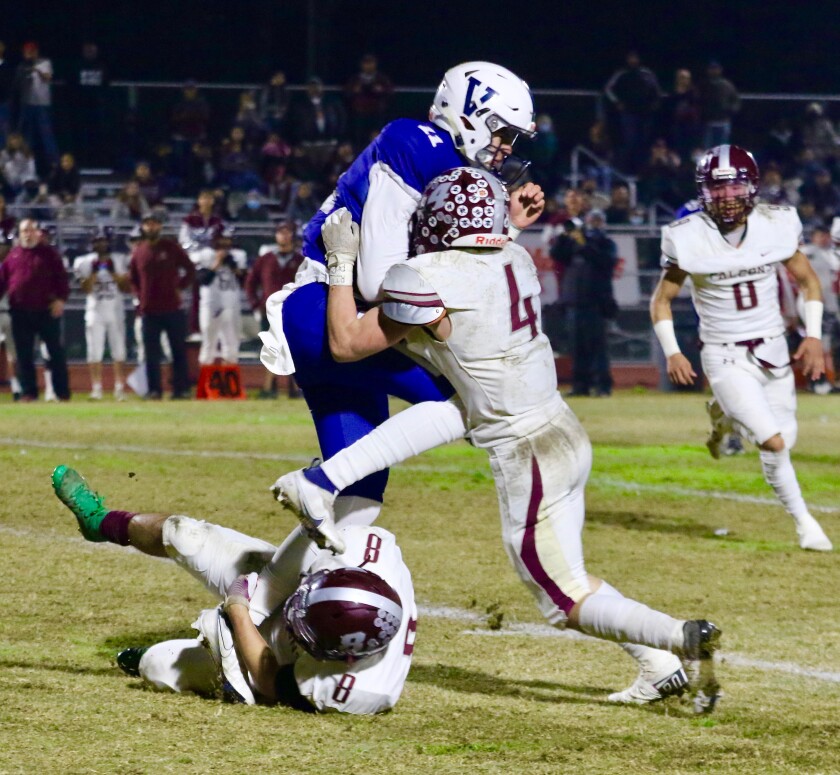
x=415 y=151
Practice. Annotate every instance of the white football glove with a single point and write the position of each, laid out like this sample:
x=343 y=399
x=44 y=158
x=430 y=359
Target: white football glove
x=341 y=240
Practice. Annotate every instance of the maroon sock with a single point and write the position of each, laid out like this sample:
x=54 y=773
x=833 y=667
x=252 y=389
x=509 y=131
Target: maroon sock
x=114 y=526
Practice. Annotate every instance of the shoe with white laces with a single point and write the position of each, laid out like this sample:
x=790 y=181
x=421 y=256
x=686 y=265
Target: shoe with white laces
x=811 y=535
x=719 y=434
x=646 y=689
x=700 y=641
x=96 y=392
x=313 y=506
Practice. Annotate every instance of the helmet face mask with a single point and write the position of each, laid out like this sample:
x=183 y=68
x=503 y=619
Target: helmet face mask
x=727 y=184
x=465 y=207
x=485 y=108
x=343 y=614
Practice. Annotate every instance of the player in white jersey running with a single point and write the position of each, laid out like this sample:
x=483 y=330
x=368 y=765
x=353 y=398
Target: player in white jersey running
x=730 y=250
x=469 y=304
x=297 y=626
x=103 y=276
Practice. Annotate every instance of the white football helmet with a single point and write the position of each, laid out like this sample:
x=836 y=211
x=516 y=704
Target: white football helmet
x=476 y=99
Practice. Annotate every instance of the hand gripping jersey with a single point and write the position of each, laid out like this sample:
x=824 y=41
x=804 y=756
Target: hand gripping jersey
x=497 y=358
x=734 y=289
x=106 y=300
x=373 y=684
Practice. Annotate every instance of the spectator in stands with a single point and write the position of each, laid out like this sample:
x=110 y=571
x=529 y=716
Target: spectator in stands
x=634 y=93
x=7 y=77
x=34 y=200
x=660 y=178
x=305 y=203
x=772 y=189
x=17 y=164
x=823 y=193
x=780 y=145
x=340 y=162
x=200 y=227
x=274 y=157
x=719 y=102
x=594 y=198
x=200 y=170
x=33 y=94
x=367 y=93
x=826 y=264
x=149 y=184
x=275 y=267
x=248 y=118
x=619 y=208
x=65 y=184
x=190 y=121
x=35 y=279
x=681 y=115
x=253 y=209
x=542 y=151
x=91 y=82
x=130 y=204
x=160 y=269
x=274 y=103
x=8 y=224
x=809 y=217
x=317 y=122
x=237 y=171
x=819 y=136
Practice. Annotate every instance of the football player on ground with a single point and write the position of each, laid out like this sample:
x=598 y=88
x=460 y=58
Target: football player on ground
x=479 y=111
x=103 y=276
x=296 y=626
x=469 y=304
x=730 y=250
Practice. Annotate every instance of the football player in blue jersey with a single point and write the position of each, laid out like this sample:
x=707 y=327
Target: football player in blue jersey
x=478 y=113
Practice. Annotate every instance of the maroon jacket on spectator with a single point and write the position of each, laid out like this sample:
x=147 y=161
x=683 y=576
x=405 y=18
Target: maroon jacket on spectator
x=156 y=275
x=268 y=275
x=33 y=278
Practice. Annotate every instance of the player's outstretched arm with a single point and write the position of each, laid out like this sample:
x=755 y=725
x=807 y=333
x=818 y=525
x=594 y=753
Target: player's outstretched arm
x=351 y=337
x=810 y=351
x=680 y=371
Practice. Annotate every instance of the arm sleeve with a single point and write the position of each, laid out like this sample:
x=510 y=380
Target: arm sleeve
x=384 y=229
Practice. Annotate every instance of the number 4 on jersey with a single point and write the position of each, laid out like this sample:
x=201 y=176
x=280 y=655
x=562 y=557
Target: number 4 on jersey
x=517 y=318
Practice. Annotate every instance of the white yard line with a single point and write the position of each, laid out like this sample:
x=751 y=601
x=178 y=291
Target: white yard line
x=603 y=481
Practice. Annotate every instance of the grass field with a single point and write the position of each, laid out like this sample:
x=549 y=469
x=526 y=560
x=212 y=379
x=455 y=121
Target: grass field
x=491 y=689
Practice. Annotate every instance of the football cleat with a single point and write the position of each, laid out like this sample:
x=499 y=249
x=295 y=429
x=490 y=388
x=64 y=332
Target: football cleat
x=313 y=506
x=88 y=507
x=718 y=435
x=128 y=660
x=642 y=691
x=119 y=392
x=700 y=641
x=96 y=393
x=811 y=535
x=734 y=445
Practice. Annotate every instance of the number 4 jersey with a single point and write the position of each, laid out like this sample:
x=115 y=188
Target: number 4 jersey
x=497 y=358
x=735 y=289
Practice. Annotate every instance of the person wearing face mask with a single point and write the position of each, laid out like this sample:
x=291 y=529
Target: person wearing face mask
x=253 y=209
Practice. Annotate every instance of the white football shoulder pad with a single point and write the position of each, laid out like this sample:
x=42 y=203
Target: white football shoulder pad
x=410 y=299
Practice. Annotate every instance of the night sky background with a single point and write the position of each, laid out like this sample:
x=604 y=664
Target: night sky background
x=765 y=46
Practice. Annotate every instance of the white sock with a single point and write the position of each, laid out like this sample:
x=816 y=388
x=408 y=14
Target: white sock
x=15 y=384
x=779 y=474
x=621 y=619
x=652 y=662
x=414 y=430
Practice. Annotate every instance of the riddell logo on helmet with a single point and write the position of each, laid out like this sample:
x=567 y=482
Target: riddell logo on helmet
x=491 y=242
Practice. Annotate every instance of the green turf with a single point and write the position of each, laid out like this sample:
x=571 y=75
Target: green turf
x=482 y=696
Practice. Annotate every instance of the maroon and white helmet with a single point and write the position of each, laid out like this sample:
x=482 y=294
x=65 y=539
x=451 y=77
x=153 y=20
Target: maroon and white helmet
x=465 y=207
x=343 y=614
x=720 y=168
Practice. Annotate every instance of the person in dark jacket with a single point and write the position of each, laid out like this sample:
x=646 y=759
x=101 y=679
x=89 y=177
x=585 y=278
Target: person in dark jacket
x=34 y=277
x=589 y=257
x=160 y=269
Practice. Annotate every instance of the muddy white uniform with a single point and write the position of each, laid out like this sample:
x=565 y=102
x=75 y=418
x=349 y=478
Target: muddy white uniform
x=502 y=367
x=104 y=308
x=216 y=556
x=735 y=291
x=220 y=306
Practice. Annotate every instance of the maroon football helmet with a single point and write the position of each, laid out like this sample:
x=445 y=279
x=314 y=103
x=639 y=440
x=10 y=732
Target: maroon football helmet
x=464 y=207
x=727 y=184
x=343 y=614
